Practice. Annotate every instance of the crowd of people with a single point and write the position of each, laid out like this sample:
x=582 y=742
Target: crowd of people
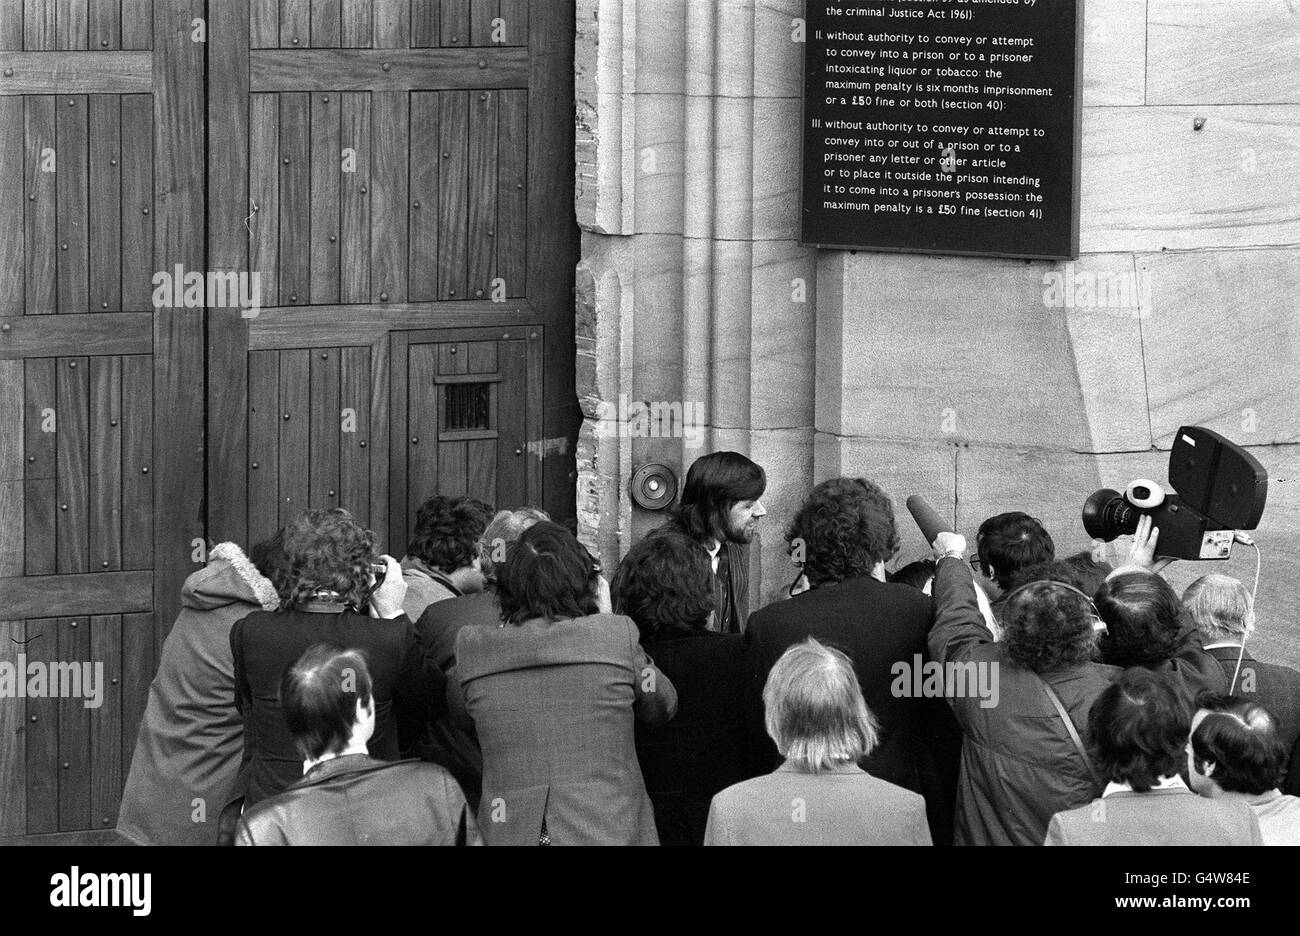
x=497 y=686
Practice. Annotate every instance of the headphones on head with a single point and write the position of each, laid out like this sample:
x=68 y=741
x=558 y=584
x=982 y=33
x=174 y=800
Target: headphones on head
x=1097 y=623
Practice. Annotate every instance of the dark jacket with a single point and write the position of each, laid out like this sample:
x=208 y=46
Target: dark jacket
x=701 y=751
x=1275 y=687
x=357 y=800
x=1190 y=668
x=265 y=644
x=878 y=625
x=553 y=704
x=1019 y=767
x=191 y=739
x=730 y=583
x=451 y=741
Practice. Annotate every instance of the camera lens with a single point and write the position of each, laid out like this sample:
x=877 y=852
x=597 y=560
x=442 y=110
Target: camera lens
x=1107 y=515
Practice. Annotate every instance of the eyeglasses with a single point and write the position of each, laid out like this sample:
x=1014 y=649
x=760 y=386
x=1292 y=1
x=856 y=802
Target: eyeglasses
x=976 y=566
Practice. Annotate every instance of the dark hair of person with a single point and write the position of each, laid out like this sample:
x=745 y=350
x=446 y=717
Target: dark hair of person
x=326 y=551
x=447 y=531
x=1142 y=616
x=1138 y=727
x=714 y=484
x=1079 y=570
x=845 y=527
x=1047 y=627
x=665 y=585
x=915 y=574
x=1011 y=541
x=319 y=695
x=1240 y=738
x=548 y=575
x=269 y=558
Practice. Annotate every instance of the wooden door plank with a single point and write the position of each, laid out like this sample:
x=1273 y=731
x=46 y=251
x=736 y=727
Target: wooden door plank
x=38 y=25
x=74 y=728
x=424 y=449
x=455 y=23
x=514 y=17
x=12 y=460
x=451 y=476
x=137 y=203
x=482 y=194
x=40 y=428
x=228 y=240
x=326 y=24
x=39 y=233
x=264 y=24
x=180 y=175
x=72 y=183
x=357 y=31
x=71 y=24
x=263 y=444
x=105 y=24
x=424 y=25
x=12 y=179
x=481 y=357
x=137 y=460
x=325 y=165
x=354 y=189
x=107 y=772
x=295 y=24
x=295 y=200
x=481 y=17
x=295 y=433
x=137 y=24
x=380 y=438
x=105 y=283
x=425 y=157
x=13 y=738
x=389 y=206
x=105 y=463
x=535 y=416
x=453 y=358
x=481 y=482
x=326 y=421
x=408 y=70
x=70 y=595
x=42 y=730
x=139 y=662
x=453 y=128
x=73 y=442
x=264 y=191
x=512 y=193
x=392 y=20
x=512 y=440
x=354 y=423
x=11 y=26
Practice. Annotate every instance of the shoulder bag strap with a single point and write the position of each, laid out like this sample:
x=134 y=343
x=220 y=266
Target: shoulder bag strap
x=1074 y=732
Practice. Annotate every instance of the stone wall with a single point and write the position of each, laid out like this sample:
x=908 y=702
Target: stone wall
x=961 y=379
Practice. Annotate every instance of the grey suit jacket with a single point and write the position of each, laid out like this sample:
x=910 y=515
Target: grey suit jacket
x=846 y=806
x=554 y=706
x=1157 y=817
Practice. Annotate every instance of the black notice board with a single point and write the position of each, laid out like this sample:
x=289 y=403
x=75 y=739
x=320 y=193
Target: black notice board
x=943 y=126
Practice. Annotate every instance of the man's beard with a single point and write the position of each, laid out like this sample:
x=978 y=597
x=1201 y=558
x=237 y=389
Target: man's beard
x=743 y=535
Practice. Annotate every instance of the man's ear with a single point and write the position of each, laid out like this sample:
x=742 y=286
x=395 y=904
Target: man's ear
x=1205 y=768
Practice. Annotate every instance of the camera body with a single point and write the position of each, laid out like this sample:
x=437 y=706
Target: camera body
x=1221 y=489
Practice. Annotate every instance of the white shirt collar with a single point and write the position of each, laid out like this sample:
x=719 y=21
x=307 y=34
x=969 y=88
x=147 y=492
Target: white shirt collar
x=713 y=554
x=1166 y=783
x=1225 y=643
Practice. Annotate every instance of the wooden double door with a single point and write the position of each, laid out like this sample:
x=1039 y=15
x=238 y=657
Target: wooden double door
x=390 y=180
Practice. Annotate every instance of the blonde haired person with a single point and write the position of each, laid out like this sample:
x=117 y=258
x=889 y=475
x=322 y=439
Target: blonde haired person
x=819 y=796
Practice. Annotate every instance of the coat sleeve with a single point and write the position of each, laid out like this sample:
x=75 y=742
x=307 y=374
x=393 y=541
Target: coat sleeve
x=715 y=829
x=1191 y=666
x=656 y=696
x=420 y=692
x=958 y=622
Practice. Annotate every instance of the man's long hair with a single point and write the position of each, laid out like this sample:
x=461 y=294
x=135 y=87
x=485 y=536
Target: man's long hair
x=714 y=484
